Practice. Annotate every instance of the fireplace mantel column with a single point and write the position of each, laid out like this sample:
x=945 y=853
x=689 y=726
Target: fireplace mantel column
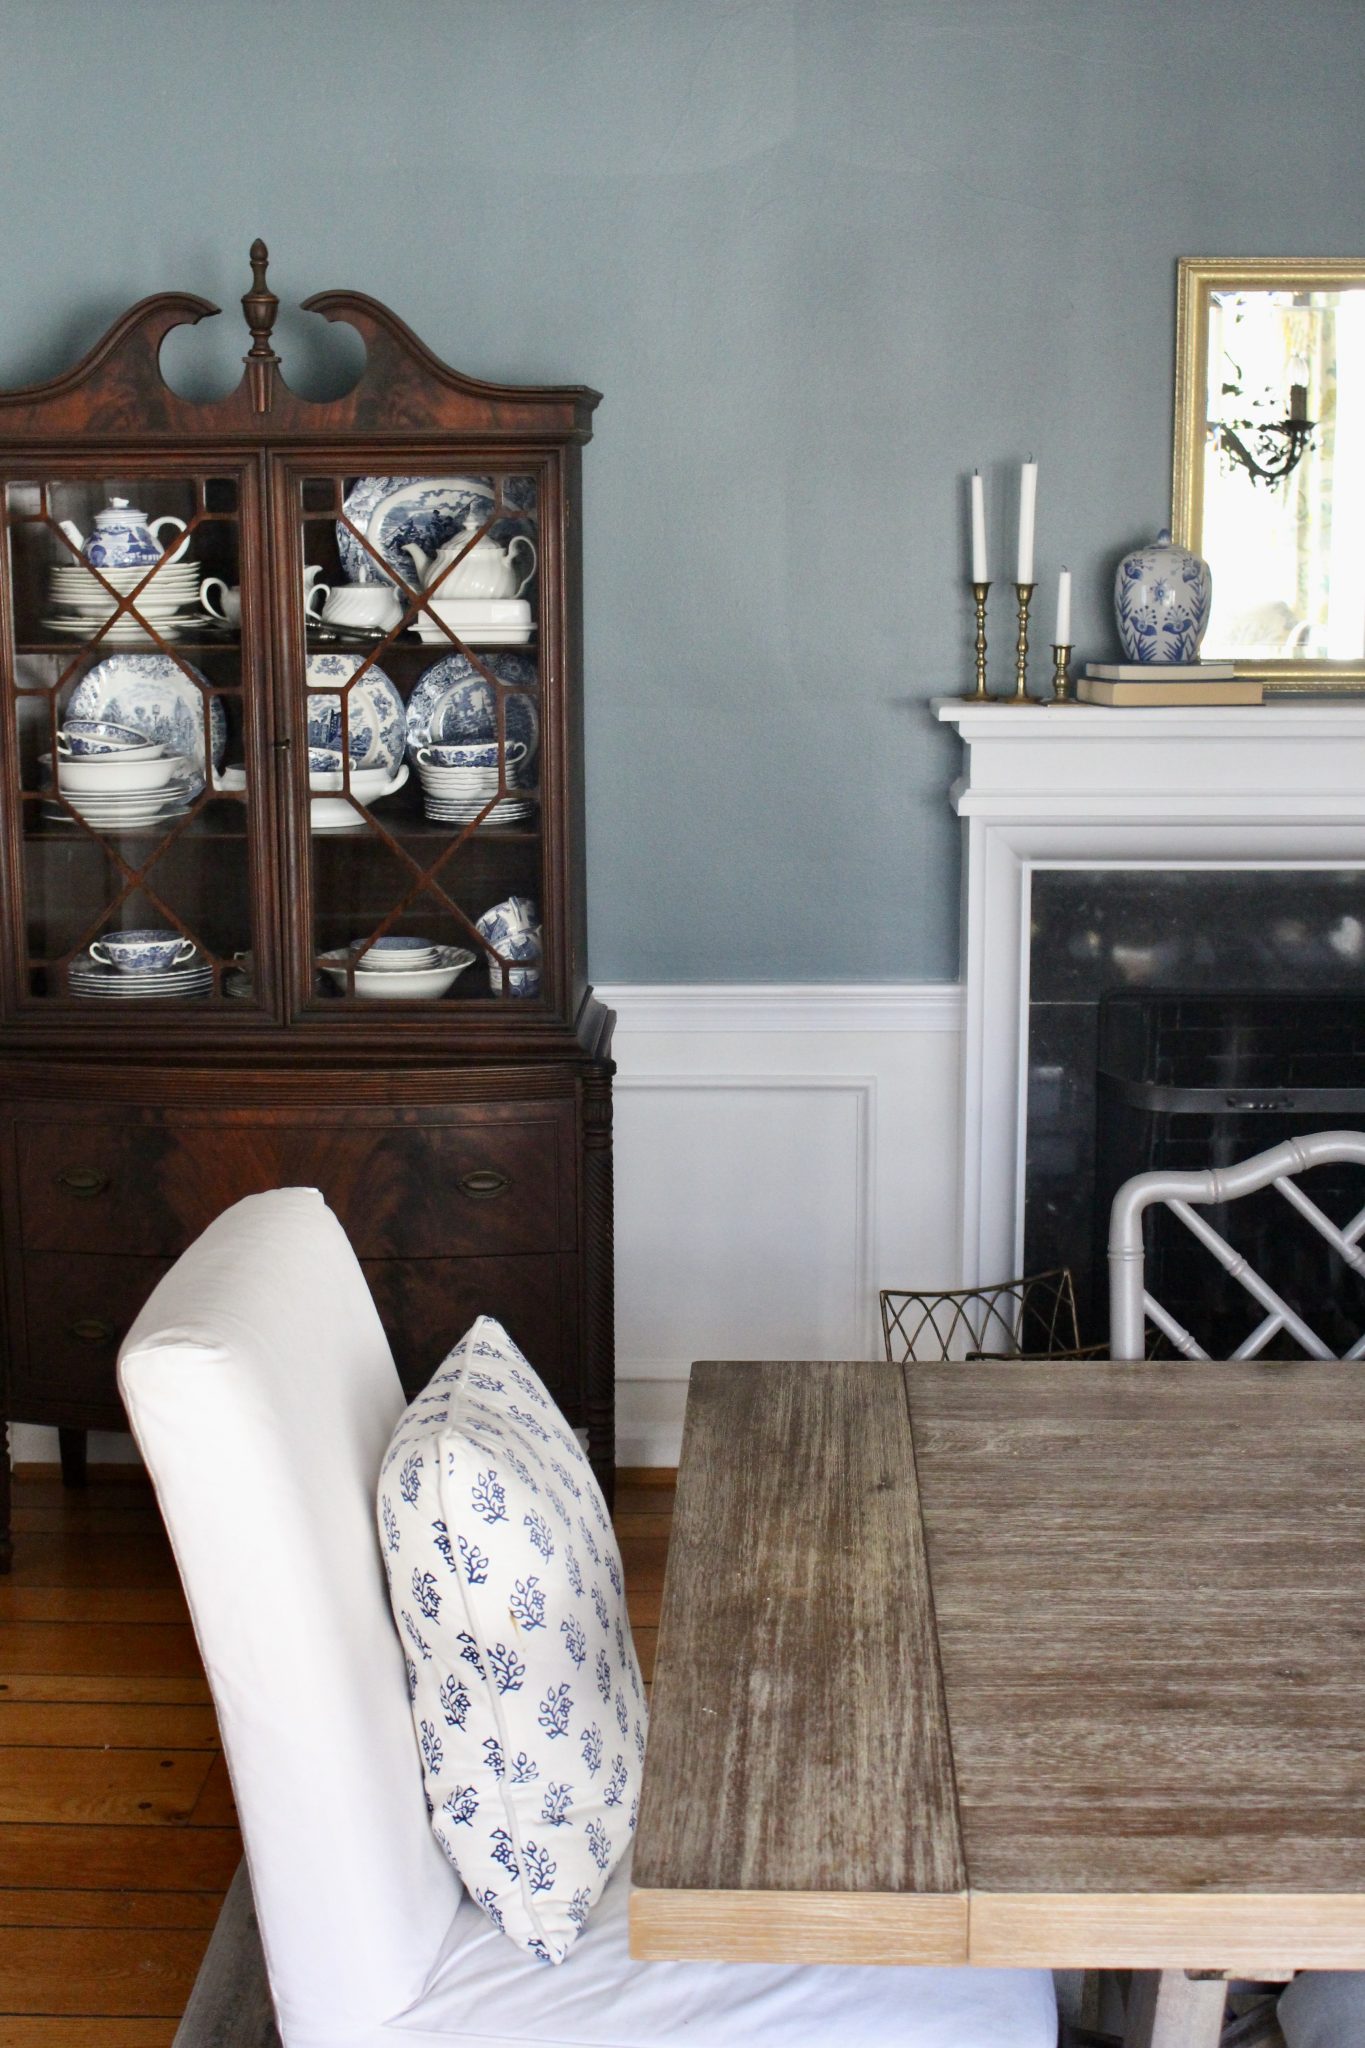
x=1279 y=785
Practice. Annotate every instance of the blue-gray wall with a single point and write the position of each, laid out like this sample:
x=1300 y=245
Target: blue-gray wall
x=822 y=256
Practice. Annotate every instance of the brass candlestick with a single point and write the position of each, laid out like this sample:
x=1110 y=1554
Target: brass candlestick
x=1024 y=593
x=1061 y=682
x=979 y=695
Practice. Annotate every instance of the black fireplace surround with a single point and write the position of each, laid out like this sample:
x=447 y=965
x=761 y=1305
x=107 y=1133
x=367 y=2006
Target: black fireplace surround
x=1187 y=1018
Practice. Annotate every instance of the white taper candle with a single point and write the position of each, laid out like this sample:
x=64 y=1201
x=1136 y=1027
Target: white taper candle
x=1028 y=498
x=979 y=572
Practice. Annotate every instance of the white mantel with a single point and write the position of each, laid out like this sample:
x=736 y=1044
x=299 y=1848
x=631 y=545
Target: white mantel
x=1044 y=786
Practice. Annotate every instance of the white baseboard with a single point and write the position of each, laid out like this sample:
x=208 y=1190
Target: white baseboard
x=781 y=1153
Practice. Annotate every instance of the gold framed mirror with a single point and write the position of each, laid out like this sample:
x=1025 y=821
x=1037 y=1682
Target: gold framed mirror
x=1268 y=480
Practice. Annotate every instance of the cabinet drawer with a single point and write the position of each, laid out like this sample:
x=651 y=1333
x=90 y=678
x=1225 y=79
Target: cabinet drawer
x=477 y=1185
x=77 y=1312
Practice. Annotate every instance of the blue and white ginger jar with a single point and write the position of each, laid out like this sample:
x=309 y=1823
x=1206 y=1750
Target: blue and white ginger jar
x=1162 y=595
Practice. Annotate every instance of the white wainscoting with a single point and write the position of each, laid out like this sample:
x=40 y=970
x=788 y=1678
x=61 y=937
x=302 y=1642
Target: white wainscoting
x=781 y=1153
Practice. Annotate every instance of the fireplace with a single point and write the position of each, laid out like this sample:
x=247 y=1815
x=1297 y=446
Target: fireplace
x=1200 y=852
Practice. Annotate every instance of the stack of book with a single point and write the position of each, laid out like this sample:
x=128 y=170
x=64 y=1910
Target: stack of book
x=1196 y=682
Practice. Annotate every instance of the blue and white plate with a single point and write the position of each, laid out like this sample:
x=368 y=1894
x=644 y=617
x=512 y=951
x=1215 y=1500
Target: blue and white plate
x=453 y=702
x=156 y=696
x=375 y=724
x=393 y=510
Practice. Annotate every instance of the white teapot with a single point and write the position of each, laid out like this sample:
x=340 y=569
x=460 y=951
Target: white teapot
x=124 y=537
x=487 y=570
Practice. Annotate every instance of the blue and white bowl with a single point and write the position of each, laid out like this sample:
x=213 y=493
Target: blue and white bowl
x=88 y=738
x=375 y=722
x=145 y=951
x=1162 y=596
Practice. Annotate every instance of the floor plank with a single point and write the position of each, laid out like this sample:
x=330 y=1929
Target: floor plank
x=61 y=1724
x=106 y=1787
x=53 y=1908
x=115 y=1858
x=51 y=1970
x=38 y=2032
x=117 y=1829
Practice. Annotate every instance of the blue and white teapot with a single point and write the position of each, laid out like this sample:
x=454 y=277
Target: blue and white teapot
x=124 y=537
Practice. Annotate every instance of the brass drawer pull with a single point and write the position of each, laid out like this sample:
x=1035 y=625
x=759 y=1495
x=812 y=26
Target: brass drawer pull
x=83 y=1182
x=92 y=1330
x=483 y=1183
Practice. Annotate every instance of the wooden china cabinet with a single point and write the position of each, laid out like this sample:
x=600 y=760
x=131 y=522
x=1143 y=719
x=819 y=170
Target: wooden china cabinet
x=463 y=1137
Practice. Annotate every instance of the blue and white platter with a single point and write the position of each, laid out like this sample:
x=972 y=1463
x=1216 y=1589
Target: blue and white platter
x=453 y=702
x=159 y=697
x=393 y=510
x=375 y=724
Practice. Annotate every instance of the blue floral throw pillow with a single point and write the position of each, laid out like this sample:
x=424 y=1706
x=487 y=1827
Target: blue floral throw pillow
x=506 y=1586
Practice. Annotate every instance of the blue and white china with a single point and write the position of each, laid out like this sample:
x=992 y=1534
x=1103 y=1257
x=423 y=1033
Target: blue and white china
x=365 y=493
x=425 y=511
x=124 y=537
x=161 y=697
x=512 y=931
x=469 y=568
x=86 y=738
x=404 y=984
x=453 y=701
x=471 y=755
x=1162 y=595
x=375 y=721
x=517 y=914
x=151 y=951
x=324 y=761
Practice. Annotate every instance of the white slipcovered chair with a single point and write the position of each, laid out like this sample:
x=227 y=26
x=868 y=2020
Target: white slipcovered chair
x=262 y=1393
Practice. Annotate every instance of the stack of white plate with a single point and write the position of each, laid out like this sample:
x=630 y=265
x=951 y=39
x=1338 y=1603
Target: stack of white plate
x=116 y=791
x=81 y=604
x=126 y=984
x=510 y=810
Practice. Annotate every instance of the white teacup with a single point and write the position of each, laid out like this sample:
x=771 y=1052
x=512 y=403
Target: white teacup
x=315 y=596
x=368 y=607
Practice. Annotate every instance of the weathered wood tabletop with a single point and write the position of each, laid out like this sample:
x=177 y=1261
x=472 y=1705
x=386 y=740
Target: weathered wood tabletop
x=1118 y=1720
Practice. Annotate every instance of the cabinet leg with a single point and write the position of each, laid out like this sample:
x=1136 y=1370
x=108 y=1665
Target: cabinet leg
x=6 y=1548
x=71 y=1444
x=599 y=1294
x=1167 y=2009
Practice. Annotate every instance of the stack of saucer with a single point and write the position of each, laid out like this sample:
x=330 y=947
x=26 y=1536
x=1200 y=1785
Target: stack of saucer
x=130 y=966
x=136 y=786
x=461 y=780
x=81 y=603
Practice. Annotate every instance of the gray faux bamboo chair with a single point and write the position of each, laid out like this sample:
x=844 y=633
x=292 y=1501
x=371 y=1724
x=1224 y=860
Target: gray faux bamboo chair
x=1131 y=1306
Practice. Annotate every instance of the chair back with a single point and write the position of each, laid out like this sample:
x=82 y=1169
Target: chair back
x=1130 y=1303
x=262 y=1393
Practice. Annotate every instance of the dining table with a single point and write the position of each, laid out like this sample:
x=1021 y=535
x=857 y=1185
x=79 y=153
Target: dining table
x=1015 y=1662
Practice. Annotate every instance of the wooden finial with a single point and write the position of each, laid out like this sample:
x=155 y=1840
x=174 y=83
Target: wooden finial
x=260 y=306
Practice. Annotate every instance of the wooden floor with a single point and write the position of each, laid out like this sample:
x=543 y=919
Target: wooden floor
x=117 y=1831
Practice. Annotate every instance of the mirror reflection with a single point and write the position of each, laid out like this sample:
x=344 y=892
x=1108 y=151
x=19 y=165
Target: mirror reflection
x=1270 y=462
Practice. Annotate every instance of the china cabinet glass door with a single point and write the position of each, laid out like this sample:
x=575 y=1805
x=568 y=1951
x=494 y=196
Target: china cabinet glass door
x=424 y=716
x=129 y=713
